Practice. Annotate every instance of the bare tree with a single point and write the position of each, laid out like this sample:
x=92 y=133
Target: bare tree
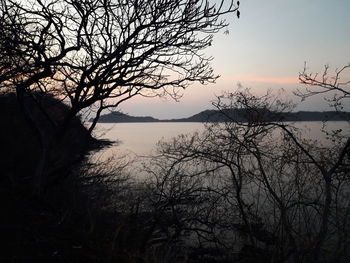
x=336 y=85
x=284 y=195
x=95 y=54
x=96 y=50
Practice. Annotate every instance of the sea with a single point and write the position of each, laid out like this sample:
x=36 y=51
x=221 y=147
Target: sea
x=140 y=139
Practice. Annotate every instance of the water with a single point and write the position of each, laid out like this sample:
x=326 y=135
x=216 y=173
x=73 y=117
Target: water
x=141 y=138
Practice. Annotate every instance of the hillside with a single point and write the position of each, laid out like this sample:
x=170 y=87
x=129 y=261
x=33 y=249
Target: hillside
x=236 y=115
x=21 y=145
x=121 y=117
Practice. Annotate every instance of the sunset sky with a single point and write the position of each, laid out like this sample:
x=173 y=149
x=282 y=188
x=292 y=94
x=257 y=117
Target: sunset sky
x=266 y=49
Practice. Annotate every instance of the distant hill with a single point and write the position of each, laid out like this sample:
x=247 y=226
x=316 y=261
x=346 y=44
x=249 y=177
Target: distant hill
x=236 y=115
x=317 y=116
x=121 y=117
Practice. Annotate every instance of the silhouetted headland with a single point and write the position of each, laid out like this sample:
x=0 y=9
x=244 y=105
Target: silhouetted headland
x=20 y=144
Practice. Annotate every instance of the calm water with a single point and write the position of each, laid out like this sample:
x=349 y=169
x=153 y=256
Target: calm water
x=141 y=138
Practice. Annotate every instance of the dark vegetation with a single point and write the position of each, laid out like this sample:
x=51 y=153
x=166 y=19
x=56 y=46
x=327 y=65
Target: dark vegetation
x=247 y=189
x=23 y=146
x=63 y=58
x=234 y=193
x=48 y=225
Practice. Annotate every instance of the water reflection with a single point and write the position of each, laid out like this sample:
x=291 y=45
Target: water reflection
x=141 y=138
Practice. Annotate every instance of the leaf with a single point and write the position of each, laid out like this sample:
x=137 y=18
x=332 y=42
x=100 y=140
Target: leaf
x=238 y=13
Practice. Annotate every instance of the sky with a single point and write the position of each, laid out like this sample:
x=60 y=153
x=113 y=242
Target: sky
x=265 y=49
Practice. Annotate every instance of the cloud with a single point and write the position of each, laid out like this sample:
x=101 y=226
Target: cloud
x=259 y=79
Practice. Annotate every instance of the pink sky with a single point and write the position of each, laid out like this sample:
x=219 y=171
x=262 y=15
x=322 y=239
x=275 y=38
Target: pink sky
x=260 y=79
x=266 y=49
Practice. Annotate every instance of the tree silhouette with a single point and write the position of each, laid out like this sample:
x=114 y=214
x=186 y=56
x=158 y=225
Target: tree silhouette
x=279 y=196
x=95 y=54
x=105 y=52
